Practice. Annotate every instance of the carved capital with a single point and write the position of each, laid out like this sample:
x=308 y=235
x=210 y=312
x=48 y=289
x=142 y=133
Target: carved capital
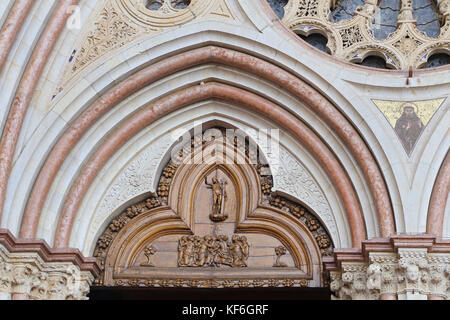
x=402 y=267
x=30 y=268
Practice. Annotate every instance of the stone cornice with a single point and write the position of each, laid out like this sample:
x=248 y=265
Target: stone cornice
x=74 y=256
x=391 y=245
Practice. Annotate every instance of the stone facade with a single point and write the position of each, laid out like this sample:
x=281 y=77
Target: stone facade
x=96 y=95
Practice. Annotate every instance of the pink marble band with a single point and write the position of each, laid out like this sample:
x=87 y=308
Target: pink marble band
x=12 y=26
x=185 y=97
x=313 y=99
x=25 y=91
x=439 y=198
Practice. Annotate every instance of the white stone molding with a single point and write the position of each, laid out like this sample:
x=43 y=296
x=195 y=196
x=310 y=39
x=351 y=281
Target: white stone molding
x=353 y=39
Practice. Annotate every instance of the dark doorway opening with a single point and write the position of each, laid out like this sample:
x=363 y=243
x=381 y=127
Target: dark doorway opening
x=130 y=293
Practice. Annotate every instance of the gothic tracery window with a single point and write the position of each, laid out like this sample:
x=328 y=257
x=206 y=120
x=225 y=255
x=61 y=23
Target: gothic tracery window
x=385 y=22
x=345 y=9
x=316 y=40
x=437 y=60
x=391 y=34
x=374 y=62
x=278 y=7
x=154 y=4
x=175 y=4
x=426 y=14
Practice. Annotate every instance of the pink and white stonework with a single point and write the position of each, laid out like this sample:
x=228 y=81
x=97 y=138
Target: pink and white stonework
x=96 y=94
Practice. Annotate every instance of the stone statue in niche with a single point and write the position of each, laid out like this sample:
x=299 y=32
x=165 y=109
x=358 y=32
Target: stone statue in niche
x=409 y=127
x=209 y=251
x=219 y=198
x=148 y=252
x=280 y=251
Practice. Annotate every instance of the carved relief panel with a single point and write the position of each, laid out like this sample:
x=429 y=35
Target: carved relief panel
x=213 y=224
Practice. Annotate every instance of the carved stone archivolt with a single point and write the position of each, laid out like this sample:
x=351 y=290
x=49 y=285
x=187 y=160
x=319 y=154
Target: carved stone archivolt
x=395 y=269
x=239 y=251
x=353 y=40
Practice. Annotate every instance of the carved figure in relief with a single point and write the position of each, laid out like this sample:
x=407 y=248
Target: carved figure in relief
x=181 y=249
x=219 y=198
x=223 y=255
x=201 y=253
x=186 y=248
x=280 y=251
x=239 y=250
x=211 y=248
x=409 y=127
x=412 y=273
x=209 y=251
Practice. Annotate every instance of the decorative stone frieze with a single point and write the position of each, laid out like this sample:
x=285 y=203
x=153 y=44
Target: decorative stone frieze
x=402 y=267
x=30 y=269
x=212 y=283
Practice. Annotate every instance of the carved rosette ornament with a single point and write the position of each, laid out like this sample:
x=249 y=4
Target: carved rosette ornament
x=400 y=272
x=214 y=250
x=353 y=40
